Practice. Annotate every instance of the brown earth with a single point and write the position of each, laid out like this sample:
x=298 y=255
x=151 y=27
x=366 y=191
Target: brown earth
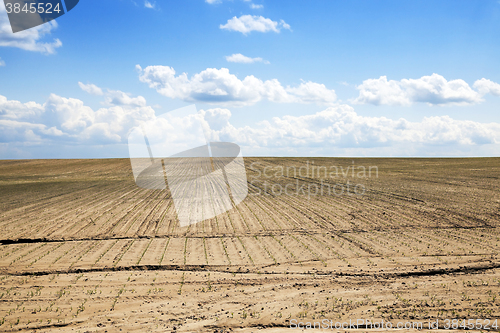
x=84 y=249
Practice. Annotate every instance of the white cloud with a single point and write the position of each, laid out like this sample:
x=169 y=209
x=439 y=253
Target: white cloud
x=30 y=39
x=248 y=23
x=240 y=58
x=69 y=120
x=216 y=118
x=340 y=127
x=312 y=92
x=254 y=6
x=2 y=63
x=90 y=88
x=285 y=25
x=433 y=90
x=212 y=2
x=116 y=97
x=218 y=86
x=485 y=86
x=10 y=109
x=150 y=5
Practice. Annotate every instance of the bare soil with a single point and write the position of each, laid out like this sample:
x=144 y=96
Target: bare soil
x=84 y=249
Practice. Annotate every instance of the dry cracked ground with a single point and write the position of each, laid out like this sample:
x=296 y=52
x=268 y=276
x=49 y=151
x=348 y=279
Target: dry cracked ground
x=83 y=249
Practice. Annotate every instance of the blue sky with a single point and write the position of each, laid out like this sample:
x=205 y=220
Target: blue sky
x=319 y=78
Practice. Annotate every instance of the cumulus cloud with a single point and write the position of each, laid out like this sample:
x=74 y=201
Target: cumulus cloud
x=2 y=63
x=342 y=127
x=11 y=109
x=217 y=118
x=69 y=120
x=29 y=40
x=90 y=88
x=433 y=90
x=218 y=86
x=120 y=98
x=248 y=23
x=240 y=58
x=312 y=92
x=485 y=86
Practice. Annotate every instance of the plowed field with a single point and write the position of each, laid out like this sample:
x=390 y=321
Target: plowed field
x=84 y=249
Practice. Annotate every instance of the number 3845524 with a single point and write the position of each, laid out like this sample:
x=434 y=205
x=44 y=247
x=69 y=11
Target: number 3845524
x=471 y=324
x=40 y=8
